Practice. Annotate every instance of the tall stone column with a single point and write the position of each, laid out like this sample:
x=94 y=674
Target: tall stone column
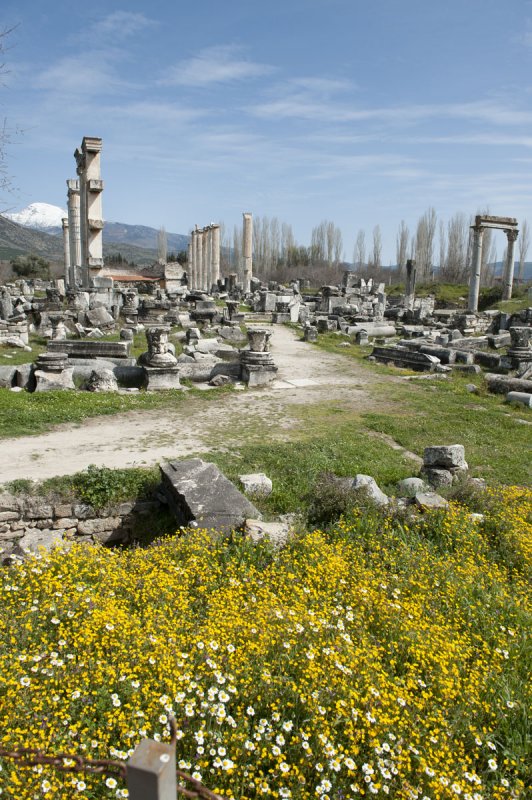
x=91 y=187
x=215 y=254
x=508 y=277
x=247 y=251
x=476 y=265
x=207 y=252
x=189 y=263
x=73 y=202
x=66 y=248
x=201 y=263
x=410 y=284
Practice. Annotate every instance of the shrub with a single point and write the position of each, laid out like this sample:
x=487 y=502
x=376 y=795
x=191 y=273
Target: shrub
x=100 y=486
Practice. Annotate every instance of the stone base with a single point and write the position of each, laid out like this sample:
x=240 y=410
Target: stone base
x=280 y=316
x=53 y=381
x=159 y=378
x=258 y=376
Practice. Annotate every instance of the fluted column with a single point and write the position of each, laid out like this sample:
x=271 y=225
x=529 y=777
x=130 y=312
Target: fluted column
x=247 y=251
x=66 y=250
x=201 y=263
x=74 y=232
x=476 y=265
x=215 y=254
x=508 y=278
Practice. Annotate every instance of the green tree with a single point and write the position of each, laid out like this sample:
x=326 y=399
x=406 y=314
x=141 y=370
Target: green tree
x=31 y=266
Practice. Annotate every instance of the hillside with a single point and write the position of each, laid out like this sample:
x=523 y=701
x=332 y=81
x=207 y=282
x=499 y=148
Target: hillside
x=18 y=240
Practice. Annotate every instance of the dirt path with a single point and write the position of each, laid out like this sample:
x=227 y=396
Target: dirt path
x=306 y=375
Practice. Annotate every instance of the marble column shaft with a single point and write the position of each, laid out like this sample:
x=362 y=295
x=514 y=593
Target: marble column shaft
x=247 y=251
x=66 y=249
x=508 y=278
x=215 y=254
x=476 y=266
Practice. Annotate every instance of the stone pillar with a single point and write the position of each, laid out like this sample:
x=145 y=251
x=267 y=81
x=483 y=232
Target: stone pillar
x=410 y=284
x=215 y=254
x=476 y=265
x=508 y=277
x=207 y=244
x=189 y=262
x=192 y=262
x=247 y=251
x=66 y=247
x=201 y=262
x=73 y=201
x=91 y=187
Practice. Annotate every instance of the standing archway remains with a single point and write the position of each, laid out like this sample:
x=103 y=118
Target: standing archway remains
x=509 y=226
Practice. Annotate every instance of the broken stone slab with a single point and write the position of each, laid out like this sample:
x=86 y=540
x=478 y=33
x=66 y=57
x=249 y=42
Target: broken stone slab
x=199 y=493
x=24 y=378
x=502 y=384
x=445 y=456
x=34 y=539
x=369 y=485
x=7 y=377
x=99 y=317
x=404 y=357
x=277 y=533
x=102 y=380
x=467 y=369
x=54 y=381
x=521 y=398
x=411 y=486
x=256 y=483
x=437 y=477
x=430 y=500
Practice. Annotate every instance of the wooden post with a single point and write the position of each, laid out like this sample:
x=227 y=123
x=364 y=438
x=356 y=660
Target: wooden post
x=151 y=772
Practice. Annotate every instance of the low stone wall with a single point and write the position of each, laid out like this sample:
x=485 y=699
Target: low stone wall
x=28 y=522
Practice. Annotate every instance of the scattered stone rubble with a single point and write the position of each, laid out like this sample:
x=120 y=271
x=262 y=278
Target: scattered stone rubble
x=199 y=495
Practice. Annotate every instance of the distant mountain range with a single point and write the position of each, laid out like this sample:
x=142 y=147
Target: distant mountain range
x=37 y=228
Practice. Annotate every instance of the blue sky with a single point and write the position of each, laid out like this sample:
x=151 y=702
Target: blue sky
x=363 y=112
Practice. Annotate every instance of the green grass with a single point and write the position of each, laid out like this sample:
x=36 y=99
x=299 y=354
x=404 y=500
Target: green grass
x=13 y=356
x=423 y=412
x=24 y=414
x=334 y=442
x=496 y=437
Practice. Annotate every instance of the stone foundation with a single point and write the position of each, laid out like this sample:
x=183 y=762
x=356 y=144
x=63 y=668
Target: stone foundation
x=27 y=522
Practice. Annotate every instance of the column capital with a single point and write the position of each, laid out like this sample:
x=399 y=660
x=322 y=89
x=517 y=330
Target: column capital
x=511 y=234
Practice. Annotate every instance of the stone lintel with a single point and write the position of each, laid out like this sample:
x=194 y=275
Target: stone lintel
x=487 y=221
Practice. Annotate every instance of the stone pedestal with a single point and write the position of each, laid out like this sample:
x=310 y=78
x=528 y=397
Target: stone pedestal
x=59 y=331
x=257 y=364
x=52 y=373
x=161 y=369
x=520 y=351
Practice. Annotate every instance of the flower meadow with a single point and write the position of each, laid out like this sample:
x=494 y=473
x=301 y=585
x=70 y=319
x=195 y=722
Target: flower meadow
x=385 y=657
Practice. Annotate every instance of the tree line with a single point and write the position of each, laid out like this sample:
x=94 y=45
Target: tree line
x=439 y=247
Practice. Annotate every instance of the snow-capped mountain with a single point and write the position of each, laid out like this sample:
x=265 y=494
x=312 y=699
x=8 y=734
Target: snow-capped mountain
x=41 y=216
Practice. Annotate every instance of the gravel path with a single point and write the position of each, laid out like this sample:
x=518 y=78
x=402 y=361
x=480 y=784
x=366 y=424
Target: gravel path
x=306 y=375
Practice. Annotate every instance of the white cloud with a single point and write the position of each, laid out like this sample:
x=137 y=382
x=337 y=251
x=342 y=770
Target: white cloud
x=121 y=24
x=85 y=74
x=213 y=65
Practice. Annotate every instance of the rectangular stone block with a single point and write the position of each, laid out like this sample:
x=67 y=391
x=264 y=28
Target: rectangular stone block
x=7 y=516
x=64 y=522
x=92 y=526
